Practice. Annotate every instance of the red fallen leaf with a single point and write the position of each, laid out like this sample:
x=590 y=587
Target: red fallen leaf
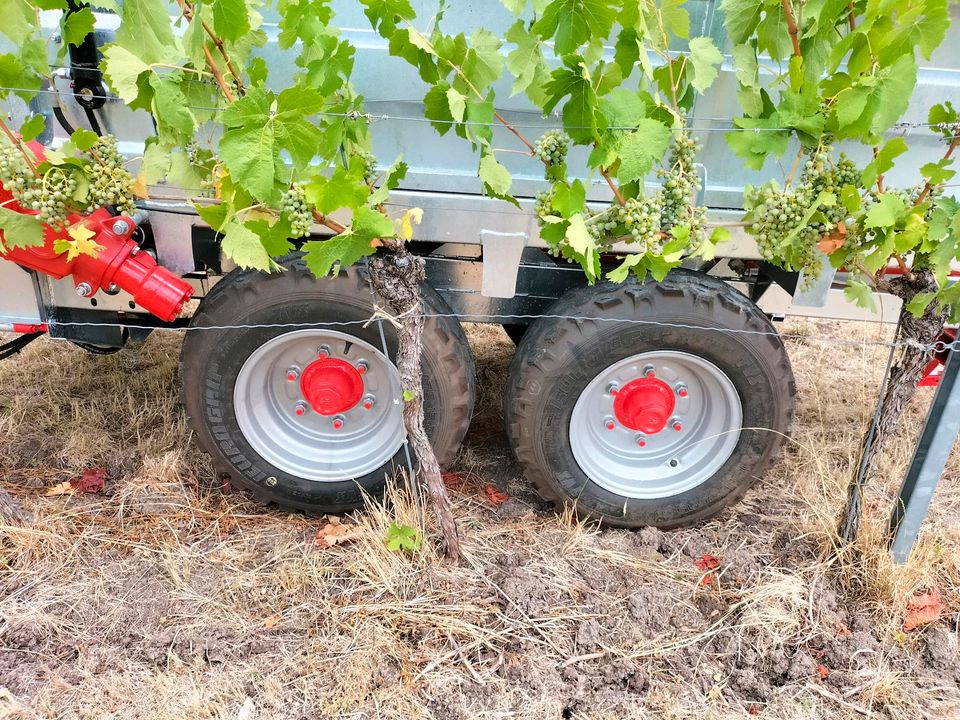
x=334 y=532
x=823 y=671
x=706 y=581
x=453 y=480
x=495 y=496
x=753 y=710
x=843 y=630
x=923 y=609
x=90 y=481
x=707 y=562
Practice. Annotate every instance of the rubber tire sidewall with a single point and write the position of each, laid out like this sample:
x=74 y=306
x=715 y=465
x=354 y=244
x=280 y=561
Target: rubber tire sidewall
x=212 y=359
x=558 y=358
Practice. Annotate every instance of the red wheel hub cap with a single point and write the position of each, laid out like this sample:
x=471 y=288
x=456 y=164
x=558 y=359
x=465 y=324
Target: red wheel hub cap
x=331 y=386
x=645 y=404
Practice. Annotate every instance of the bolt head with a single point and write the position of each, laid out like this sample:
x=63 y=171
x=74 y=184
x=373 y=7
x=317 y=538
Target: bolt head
x=368 y=402
x=323 y=351
x=300 y=409
x=609 y=423
x=121 y=227
x=362 y=367
x=641 y=442
x=650 y=371
x=613 y=388
x=293 y=374
x=338 y=422
x=84 y=289
x=677 y=426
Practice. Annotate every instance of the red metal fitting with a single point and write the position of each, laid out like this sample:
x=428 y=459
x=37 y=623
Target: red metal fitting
x=331 y=386
x=644 y=404
x=119 y=262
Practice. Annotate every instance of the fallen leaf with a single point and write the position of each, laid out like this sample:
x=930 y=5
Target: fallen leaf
x=843 y=630
x=707 y=562
x=453 y=480
x=335 y=532
x=495 y=496
x=923 y=609
x=64 y=488
x=90 y=481
x=271 y=621
x=706 y=581
x=823 y=671
x=753 y=710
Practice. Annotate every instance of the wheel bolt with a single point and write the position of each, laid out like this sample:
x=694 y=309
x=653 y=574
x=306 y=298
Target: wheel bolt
x=609 y=423
x=641 y=441
x=323 y=351
x=613 y=388
x=650 y=371
x=368 y=402
x=677 y=425
x=293 y=373
x=682 y=391
x=362 y=366
x=300 y=409
x=338 y=422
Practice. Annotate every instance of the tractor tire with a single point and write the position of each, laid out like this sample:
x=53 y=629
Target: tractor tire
x=647 y=423
x=307 y=415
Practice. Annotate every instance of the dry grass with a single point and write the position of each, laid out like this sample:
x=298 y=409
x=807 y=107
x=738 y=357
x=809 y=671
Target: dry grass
x=165 y=598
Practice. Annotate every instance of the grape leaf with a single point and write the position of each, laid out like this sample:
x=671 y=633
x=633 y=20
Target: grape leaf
x=230 y=19
x=122 y=69
x=574 y=22
x=704 y=60
x=77 y=25
x=860 y=294
x=20 y=230
x=146 y=26
x=495 y=176
x=243 y=246
x=886 y=212
x=641 y=148
x=33 y=127
x=326 y=256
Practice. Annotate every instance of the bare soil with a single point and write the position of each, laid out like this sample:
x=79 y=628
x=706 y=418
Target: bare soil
x=170 y=595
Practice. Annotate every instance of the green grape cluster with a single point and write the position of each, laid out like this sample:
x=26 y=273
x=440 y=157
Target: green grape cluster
x=642 y=220
x=552 y=147
x=821 y=173
x=294 y=204
x=370 y=172
x=17 y=177
x=777 y=227
x=680 y=187
x=543 y=206
x=110 y=183
x=52 y=196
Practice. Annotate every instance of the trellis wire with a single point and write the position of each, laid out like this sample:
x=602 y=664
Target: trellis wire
x=936 y=347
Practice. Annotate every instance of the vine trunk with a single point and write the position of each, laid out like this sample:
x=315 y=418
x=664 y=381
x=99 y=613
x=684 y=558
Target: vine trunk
x=397 y=278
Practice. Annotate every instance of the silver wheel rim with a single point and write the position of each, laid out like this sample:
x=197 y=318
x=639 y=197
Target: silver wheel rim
x=308 y=445
x=670 y=462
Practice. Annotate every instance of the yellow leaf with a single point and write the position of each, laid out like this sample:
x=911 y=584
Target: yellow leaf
x=81 y=242
x=271 y=621
x=64 y=488
x=139 y=187
x=414 y=215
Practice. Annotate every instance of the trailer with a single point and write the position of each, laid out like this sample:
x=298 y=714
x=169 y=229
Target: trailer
x=644 y=403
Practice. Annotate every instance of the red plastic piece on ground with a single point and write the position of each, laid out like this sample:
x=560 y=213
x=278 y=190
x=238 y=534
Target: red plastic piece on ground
x=331 y=386
x=155 y=289
x=644 y=404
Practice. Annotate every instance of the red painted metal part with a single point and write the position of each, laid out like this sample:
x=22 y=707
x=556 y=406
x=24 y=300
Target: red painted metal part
x=331 y=386
x=29 y=329
x=934 y=368
x=644 y=404
x=120 y=262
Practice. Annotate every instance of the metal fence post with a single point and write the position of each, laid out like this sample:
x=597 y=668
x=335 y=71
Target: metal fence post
x=929 y=460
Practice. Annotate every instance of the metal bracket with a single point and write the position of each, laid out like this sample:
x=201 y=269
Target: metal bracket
x=816 y=294
x=501 y=262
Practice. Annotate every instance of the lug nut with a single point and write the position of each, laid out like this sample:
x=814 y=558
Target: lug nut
x=682 y=391
x=609 y=423
x=323 y=351
x=650 y=371
x=676 y=424
x=613 y=388
x=362 y=366
x=368 y=402
x=300 y=409
x=641 y=441
x=293 y=373
x=84 y=289
x=338 y=422
x=120 y=227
